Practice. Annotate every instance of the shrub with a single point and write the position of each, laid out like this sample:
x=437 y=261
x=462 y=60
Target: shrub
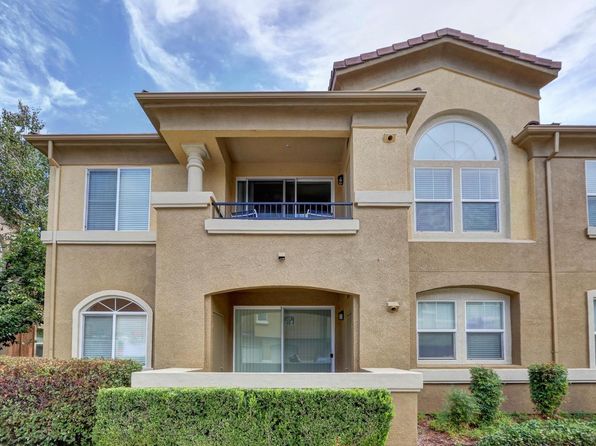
x=462 y=409
x=487 y=389
x=237 y=417
x=548 y=387
x=51 y=402
x=543 y=433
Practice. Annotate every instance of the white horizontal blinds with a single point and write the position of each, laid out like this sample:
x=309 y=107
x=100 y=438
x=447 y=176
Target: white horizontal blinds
x=102 y=190
x=591 y=190
x=484 y=330
x=97 y=336
x=133 y=201
x=131 y=337
x=436 y=330
x=480 y=199
x=434 y=199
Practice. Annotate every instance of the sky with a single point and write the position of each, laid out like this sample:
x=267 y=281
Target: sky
x=80 y=61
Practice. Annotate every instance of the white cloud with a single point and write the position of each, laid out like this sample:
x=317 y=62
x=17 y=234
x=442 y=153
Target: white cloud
x=32 y=53
x=148 y=33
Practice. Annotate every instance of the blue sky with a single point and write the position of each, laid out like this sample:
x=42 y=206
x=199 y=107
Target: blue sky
x=80 y=62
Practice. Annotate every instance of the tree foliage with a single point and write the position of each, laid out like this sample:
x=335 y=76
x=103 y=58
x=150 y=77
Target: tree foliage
x=23 y=208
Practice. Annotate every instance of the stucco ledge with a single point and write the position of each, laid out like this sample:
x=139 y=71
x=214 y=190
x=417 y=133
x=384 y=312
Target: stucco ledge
x=308 y=227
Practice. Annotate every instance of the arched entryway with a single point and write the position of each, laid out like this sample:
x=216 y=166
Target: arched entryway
x=281 y=329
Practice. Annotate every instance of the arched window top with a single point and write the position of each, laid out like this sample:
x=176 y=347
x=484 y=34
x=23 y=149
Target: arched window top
x=455 y=141
x=114 y=304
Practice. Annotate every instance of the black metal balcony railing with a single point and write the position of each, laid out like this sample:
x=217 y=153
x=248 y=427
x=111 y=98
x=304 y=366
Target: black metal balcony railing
x=281 y=211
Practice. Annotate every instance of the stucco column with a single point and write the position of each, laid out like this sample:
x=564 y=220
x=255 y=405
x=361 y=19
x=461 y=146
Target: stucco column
x=195 y=154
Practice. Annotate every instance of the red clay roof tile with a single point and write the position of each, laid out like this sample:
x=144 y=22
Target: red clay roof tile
x=442 y=33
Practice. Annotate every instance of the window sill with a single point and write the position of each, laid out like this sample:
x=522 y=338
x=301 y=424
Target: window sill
x=296 y=227
x=473 y=240
x=591 y=232
x=507 y=375
x=99 y=237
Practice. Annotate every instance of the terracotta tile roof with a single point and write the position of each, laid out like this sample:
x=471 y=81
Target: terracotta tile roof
x=442 y=33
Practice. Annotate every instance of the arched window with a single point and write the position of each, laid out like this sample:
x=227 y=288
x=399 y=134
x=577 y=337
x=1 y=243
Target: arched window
x=114 y=325
x=457 y=180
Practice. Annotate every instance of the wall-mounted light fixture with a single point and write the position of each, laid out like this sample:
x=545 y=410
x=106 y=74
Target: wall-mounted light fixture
x=281 y=256
x=340 y=315
x=340 y=180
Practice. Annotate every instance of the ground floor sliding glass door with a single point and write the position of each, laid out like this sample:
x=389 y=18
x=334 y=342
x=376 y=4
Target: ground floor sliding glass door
x=284 y=339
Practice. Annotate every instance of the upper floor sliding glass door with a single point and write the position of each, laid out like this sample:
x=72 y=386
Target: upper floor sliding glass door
x=284 y=339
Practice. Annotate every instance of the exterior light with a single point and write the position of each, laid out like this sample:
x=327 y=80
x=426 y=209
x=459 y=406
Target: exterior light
x=340 y=180
x=340 y=315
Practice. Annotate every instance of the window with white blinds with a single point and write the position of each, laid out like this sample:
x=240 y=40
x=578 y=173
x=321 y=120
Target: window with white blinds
x=480 y=199
x=118 y=199
x=591 y=191
x=457 y=182
x=114 y=328
x=434 y=199
x=463 y=326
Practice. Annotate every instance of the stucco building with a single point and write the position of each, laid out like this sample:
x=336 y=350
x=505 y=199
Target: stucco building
x=416 y=217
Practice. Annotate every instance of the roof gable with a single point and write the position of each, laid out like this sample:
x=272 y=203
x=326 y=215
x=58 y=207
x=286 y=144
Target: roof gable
x=443 y=35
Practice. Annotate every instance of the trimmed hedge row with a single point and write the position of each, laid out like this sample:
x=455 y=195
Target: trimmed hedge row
x=541 y=433
x=236 y=417
x=50 y=402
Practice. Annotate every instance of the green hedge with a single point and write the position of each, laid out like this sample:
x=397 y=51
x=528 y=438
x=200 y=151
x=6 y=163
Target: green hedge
x=548 y=387
x=237 y=417
x=487 y=388
x=52 y=402
x=543 y=433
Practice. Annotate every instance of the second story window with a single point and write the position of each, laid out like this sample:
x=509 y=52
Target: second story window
x=591 y=191
x=118 y=199
x=457 y=181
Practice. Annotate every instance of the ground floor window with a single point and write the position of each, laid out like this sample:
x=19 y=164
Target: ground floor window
x=463 y=325
x=592 y=327
x=283 y=339
x=38 y=345
x=114 y=327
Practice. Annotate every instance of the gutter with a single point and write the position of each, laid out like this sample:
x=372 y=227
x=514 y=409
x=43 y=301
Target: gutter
x=49 y=353
x=551 y=248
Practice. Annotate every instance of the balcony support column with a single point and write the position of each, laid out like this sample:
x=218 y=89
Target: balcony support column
x=195 y=155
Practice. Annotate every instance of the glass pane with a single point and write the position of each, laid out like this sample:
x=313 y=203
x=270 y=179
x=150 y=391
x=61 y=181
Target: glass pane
x=485 y=345
x=433 y=217
x=101 y=199
x=241 y=190
x=307 y=340
x=594 y=313
x=436 y=315
x=436 y=345
x=481 y=217
x=131 y=339
x=133 y=212
x=39 y=350
x=484 y=315
x=480 y=184
x=592 y=211
x=97 y=336
x=257 y=346
x=433 y=184
x=455 y=141
x=39 y=335
x=591 y=177
x=104 y=305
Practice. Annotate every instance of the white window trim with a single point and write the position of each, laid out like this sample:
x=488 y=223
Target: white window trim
x=79 y=312
x=591 y=328
x=443 y=200
x=457 y=233
x=438 y=330
x=461 y=296
x=281 y=308
x=117 y=169
x=591 y=228
x=497 y=200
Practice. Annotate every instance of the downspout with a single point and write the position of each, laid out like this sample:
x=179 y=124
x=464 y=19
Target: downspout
x=49 y=353
x=551 y=250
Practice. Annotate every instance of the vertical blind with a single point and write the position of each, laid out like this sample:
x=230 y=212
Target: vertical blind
x=257 y=343
x=480 y=199
x=118 y=199
x=591 y=190
x=307 y=340
x=434 y=192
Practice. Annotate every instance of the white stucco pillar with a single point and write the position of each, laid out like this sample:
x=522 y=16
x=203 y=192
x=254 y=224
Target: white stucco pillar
x=195 y=154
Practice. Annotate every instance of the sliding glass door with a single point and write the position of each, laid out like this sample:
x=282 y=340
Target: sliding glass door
x=302 y=336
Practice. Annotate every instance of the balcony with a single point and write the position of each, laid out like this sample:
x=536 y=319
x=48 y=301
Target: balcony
x=282 y=210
